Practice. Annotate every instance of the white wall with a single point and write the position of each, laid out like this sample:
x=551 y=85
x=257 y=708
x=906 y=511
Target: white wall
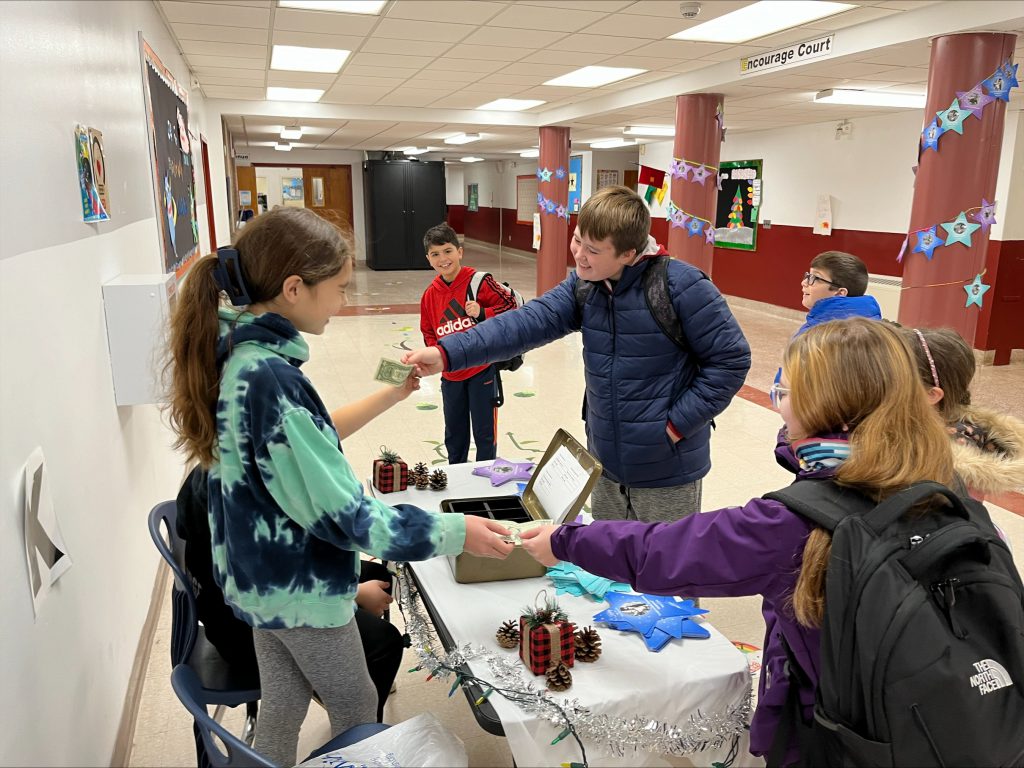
x=454 y=185
x=66 y=672
x=610 y=160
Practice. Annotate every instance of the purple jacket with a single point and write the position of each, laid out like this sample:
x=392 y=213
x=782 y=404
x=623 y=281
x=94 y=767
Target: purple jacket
x=756 y=549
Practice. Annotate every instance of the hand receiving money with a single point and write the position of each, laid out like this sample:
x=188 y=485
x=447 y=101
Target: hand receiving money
x=392 y=372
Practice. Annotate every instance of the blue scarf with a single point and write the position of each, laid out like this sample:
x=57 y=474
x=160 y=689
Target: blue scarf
x=821 y=454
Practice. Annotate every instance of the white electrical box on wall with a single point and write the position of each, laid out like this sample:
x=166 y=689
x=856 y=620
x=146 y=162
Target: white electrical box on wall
x=138 y=311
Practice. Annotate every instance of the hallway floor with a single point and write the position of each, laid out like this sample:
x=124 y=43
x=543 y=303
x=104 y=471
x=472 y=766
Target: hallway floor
x=383 y=320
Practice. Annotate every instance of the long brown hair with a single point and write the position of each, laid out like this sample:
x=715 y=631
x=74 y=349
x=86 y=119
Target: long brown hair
x=271 y=248
x=860 y=375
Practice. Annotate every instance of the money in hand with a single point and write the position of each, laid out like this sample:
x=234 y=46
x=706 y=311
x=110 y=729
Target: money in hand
x=392 y=372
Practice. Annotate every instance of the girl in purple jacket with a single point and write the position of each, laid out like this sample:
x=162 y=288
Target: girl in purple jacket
x=854 y=410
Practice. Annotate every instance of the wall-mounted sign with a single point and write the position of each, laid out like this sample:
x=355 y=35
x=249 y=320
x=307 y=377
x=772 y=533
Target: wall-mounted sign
x=791 y=54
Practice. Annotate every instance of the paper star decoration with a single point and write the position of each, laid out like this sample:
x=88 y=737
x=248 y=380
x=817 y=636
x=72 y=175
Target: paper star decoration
x=1010 y=73
x=953 y=117
x=998 y=85
x=501 y=471
x=542 y=202
x=544 y=174
x=560 y=173
x=975 y=291
x=986 y=217
x=709 y=235
x=676 y=216
x=540 y=198
x=694 y=227
x=927 y=242
x=903 y=249
x=721 y=178
x=700 y=174
x=679 y=169
x=930 y=135
x=960 y=230
x=658 y=619
x=974 y=100
x=560 y=210
x=570 y=578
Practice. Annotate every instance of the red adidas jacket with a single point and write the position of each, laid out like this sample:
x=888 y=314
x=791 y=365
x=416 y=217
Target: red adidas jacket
x=443 y=311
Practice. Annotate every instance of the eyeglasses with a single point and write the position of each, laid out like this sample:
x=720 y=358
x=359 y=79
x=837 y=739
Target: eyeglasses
x=777 y=392
x=812 y=279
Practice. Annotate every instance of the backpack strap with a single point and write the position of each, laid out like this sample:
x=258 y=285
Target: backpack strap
x=473 y=289
x=823 y=502
x=659 y=301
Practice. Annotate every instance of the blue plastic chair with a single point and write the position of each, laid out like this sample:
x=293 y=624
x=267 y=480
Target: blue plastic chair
x=227 y=750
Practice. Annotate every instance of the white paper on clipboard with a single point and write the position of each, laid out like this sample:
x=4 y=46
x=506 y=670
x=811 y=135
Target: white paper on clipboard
x=558 y=483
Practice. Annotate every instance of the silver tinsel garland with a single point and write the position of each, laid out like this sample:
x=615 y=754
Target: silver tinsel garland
x=617 y=735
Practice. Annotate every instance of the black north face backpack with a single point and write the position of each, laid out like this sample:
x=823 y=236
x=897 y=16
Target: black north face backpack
x=922 y=644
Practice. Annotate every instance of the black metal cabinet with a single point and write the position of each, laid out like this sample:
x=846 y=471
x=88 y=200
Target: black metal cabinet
x=403 y=199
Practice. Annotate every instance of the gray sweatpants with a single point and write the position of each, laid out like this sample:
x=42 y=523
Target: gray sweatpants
x=295 y=662
x=611 y=501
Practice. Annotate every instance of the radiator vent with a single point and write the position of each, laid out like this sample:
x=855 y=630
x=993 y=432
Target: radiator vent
x=887 y=290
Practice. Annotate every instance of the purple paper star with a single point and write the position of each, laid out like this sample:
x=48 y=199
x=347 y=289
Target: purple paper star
x=560 y=210
x=676 y=216
x=986 y=216
x=540 y=198
x=700 y=174
x=709 y=235
x=542 y=202
x=501 y=471
x=974 y=100
x=679 y=169
x=903 y=249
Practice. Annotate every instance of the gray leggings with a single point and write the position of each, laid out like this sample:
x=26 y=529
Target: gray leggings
x=295 y=662
x=611 y=501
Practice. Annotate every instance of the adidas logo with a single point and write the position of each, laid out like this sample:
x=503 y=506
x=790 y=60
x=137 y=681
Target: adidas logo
x=991 y=676
x=453 y=326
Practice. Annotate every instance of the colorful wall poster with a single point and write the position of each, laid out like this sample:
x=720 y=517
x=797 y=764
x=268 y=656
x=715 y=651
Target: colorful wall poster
x=739 y=200
x=575 y=183
x=292 y=193
x=473 y=197
x=174 y=185
x=92 y=174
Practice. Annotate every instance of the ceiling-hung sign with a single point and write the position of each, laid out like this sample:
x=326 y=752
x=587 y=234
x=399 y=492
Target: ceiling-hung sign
x=791 y=54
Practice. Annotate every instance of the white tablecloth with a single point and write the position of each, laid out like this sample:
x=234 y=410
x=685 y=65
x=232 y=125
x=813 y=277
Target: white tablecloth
x=672 y=685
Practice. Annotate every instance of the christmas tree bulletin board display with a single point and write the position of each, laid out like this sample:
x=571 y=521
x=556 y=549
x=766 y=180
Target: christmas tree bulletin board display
x=170 y=153
x=739 y=200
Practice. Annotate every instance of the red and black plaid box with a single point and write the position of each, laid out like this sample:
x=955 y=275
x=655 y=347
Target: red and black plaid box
x=390 y=476
x=542 y=647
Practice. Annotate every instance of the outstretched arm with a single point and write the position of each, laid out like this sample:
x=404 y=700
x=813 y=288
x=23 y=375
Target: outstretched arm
x=352 y=417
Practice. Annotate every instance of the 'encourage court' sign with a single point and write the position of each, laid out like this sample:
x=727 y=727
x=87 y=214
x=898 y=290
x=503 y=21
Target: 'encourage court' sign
x=810 y=49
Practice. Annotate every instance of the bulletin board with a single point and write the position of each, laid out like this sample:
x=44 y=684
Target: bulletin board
x=170 y=153
x=526 y=198
x=739 y=200
x=607 y=179
x=575 y=183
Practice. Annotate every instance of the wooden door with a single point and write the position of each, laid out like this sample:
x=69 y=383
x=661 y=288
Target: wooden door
x=328 y=192
x=208 y=192
x=630 y=178
x=247 y=183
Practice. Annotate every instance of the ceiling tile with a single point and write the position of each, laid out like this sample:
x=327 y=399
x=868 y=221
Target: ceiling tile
x=852 y=17
x=200 y=60
x=249 y=35
x=316 y=40
x=241 y=50
x=497 y=53
x=256 y=81
x=391 y=46
x=558 y=56
x=506 y=37
x=689 y=66
x=295 y=20
x=477 y=12
x=234 y=92
x=733 y=53
x=543 y=71
x=375 y=82
x=624 y=25
x=385 y=61
x=436 y=83
x=528 y=17
x=354 y=94
x=915 y=54
x=300 y=79
x=670 y=10
x=521 y=80
x=246 y=73
x=640 y=62
x=405 y=29
x=468 y=76
x=359 y=71
x=481 y=66
x=209 y=13
x=413 y=97
x=679 y=49
x=604 y=6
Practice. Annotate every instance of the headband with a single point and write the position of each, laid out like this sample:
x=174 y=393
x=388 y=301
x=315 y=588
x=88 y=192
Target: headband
x=228 y=276
x=928 y=354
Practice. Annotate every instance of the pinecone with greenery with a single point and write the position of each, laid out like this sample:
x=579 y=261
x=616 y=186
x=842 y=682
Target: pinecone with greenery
x=588 y=644
x=438 y=480
x=508 y=634
x=559 y=677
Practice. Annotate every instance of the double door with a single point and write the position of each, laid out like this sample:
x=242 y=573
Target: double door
x=403 y=200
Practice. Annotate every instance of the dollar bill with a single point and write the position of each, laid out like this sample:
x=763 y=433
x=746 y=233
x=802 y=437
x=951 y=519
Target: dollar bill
x=392 y=372
x=515 y=529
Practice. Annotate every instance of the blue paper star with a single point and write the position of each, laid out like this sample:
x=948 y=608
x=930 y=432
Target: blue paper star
x=549 y=206
x=1010 y=73
x=986 y=217
x=975 y=291
x=501 y=471
x=960 y=230
x=998 y=85
x=927 y=242
x=694 y=227
x=974 y=100
x=930 y=135
x=658 y=619
x=544 y=174
x=560 y=173
x=953 y=117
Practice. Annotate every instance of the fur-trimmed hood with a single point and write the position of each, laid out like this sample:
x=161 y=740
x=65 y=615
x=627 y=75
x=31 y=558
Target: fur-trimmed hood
x=992 y=471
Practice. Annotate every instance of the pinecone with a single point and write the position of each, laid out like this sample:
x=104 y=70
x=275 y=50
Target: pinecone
x=421 y=469
x=559 y=677
x=588 y=644
x=422 y=481
x=438 y=480
x=508 y=635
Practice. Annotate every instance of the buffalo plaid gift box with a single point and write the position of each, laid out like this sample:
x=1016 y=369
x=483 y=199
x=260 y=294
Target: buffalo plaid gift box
x=543 y=646
x=390 y=473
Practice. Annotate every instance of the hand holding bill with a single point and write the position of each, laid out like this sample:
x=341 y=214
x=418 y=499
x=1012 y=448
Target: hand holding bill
x=537 y=541
x=427 y=362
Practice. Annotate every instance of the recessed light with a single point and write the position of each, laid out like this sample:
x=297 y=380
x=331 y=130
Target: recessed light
x=275 y=93
x=283 y=146
x=462 y=138
x=760 y=19
x=370 y=7
x=511 y=105
x=415 y=150
x=530 y=153
x=291 y=132
x=297 y=58
x=870 y=98
x=612 y=143
x=649 y=130
x=472 y=159
x=591 y=77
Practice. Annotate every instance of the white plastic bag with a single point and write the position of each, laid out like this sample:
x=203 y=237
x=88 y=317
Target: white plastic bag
x=420 y=741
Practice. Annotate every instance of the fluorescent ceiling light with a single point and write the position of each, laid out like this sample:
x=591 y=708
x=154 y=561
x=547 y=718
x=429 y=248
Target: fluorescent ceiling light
x=511 y=105
x=472 y=159
x=462 y=138
x=415 y=150
x=283 y=146
x=870 y=98
x=612 y=143
x=760 y=19
x=291 y=132
x=294 y=94
x=649 y=130
x=371 y=7
x=530 y=153
x=297 y=58
x=591 y=77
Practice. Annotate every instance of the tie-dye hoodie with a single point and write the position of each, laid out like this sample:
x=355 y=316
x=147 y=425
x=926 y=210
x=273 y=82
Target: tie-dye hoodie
x=287 y=513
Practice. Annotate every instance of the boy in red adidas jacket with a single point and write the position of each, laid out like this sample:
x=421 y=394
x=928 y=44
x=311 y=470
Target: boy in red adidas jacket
x=470 y=394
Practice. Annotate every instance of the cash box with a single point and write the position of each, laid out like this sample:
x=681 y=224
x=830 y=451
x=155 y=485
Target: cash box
x=559 y=486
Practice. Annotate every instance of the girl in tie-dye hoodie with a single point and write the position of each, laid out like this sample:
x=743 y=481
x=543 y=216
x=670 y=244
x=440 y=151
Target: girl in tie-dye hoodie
x=287 y=514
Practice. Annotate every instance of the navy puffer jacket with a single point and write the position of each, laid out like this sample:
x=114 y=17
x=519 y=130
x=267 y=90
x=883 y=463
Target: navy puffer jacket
x=637 y=379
